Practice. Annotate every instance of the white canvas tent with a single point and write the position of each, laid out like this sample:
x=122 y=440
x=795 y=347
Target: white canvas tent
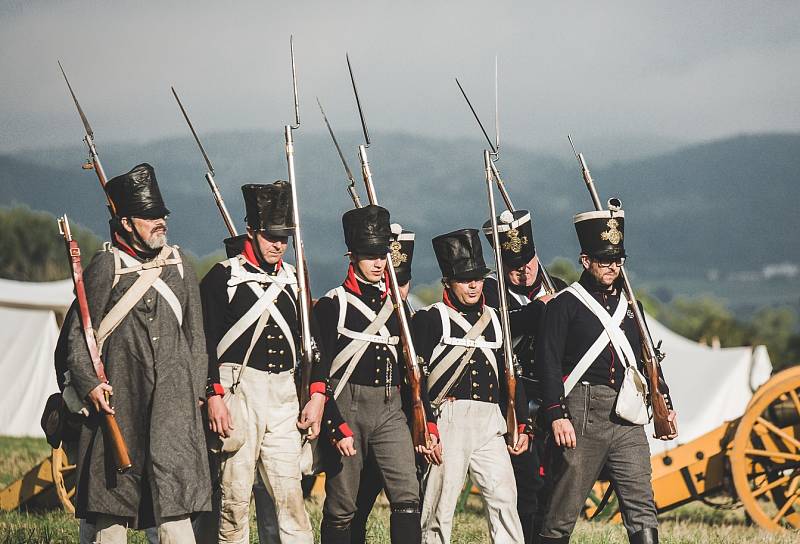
x=28 y=335
x=708 y=385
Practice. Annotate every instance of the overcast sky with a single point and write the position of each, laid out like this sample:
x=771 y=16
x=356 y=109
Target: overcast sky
x=676 y=71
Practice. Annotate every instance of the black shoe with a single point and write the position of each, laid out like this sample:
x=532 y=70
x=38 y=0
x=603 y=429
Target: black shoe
x=645 y=536
x=405 y=528
x=330 y=534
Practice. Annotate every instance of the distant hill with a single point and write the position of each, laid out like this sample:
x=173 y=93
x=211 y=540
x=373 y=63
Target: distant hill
x=727 y=204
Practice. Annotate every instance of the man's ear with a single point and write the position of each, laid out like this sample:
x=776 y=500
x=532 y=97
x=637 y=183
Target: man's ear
x=584 y=260
x=250 y=233
x=127 y=224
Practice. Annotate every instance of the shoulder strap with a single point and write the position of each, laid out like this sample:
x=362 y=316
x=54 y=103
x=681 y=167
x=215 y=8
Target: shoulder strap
x=126 y=303
x=602 y=340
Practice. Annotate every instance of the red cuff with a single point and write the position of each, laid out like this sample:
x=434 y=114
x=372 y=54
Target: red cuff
x=345 y=430
x=521 y=428
x=215 y=389
x=317 y=387
x=433 y=429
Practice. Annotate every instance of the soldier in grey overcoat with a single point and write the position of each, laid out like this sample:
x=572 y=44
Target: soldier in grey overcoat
x=156 y=363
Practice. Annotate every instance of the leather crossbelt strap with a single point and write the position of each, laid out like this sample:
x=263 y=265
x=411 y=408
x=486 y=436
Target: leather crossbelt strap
x=147 y=278
x=353 y=352
x=611 y=333
x=464 y=351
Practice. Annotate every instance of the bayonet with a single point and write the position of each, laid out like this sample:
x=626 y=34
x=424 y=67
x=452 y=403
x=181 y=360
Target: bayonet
x=351 y=186
x=194 y=132
x=367 y=140
x=94 y=160
x=294 y=86
x=496 y=114
x=478 y=119
x=226 y=217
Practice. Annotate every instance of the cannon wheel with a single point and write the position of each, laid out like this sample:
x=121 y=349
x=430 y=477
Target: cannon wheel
x=63 y=479
x=775 y=379
x=765 y=456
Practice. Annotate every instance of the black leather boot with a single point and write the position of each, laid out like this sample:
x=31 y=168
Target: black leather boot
x=645 y=536
x=404 y=525
x=333 y=534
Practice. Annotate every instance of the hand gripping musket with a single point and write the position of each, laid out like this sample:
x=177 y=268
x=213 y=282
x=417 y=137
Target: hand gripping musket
x=113 y=435
x=351 y=183
x=419 y=427
x=652 y=356
x=508 y=351
x=495 y=154
x=226 y=217
x=93 y=163
x=307 y=353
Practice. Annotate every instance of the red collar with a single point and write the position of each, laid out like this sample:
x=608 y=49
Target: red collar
x=352 y=284
x=249 y=253
x=447 y=301
x=120 y=243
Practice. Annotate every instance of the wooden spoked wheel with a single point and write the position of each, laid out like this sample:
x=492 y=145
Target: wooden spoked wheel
x=775 y=379
x=63 y=479
x=765 y=456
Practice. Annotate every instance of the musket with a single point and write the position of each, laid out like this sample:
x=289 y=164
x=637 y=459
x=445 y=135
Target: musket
x=307 y=353
x=93 y=162
x=652 y=356
x=113 y=435
x=495 y=153
x=512 y=434
x=419 y=426
x=226 y=217
x=351 y=182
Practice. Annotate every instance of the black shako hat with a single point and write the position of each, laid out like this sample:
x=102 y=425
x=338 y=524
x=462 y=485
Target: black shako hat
x=366 y=230
x=601 y=233
x=515 y=231
x=401 y=249
x=269 y=207
x=460 y=255
x=136 y=194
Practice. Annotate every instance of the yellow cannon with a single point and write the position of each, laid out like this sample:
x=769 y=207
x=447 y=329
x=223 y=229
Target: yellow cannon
x=754 y=460
x=50 y=484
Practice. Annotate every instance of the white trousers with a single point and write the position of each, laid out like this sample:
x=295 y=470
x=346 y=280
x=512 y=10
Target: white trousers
x=273 y=448
x=114 y=530
x=472 y=440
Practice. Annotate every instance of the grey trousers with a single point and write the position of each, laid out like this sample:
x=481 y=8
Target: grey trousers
x=602 y=439
x=379 y=426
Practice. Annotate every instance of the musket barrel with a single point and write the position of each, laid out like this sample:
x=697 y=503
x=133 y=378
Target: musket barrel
x=226 y=217
x=365 y=170
x=303 y=294
x=512 y=434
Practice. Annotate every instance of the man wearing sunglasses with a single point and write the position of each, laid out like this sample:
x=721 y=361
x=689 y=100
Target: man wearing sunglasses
x=583 y=361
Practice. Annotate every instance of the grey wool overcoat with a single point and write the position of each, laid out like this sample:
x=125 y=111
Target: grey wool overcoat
x=158 y=369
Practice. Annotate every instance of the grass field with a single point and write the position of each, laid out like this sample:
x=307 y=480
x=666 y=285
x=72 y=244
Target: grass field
x=690 y=524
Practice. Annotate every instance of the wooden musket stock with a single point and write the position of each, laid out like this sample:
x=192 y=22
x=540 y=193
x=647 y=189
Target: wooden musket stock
x=113 y=435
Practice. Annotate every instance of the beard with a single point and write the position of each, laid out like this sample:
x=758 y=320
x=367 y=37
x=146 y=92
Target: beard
x=157 y=241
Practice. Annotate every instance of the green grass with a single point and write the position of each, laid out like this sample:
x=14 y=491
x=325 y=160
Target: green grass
x=691 y=524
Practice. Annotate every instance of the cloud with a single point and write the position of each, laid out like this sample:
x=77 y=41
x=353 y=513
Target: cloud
x=681 y=71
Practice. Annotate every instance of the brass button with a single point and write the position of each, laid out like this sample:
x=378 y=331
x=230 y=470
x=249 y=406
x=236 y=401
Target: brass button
x=474 y=372
x=281 y=352
x=377 y=381
x=280 y=336
x=474 y=396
